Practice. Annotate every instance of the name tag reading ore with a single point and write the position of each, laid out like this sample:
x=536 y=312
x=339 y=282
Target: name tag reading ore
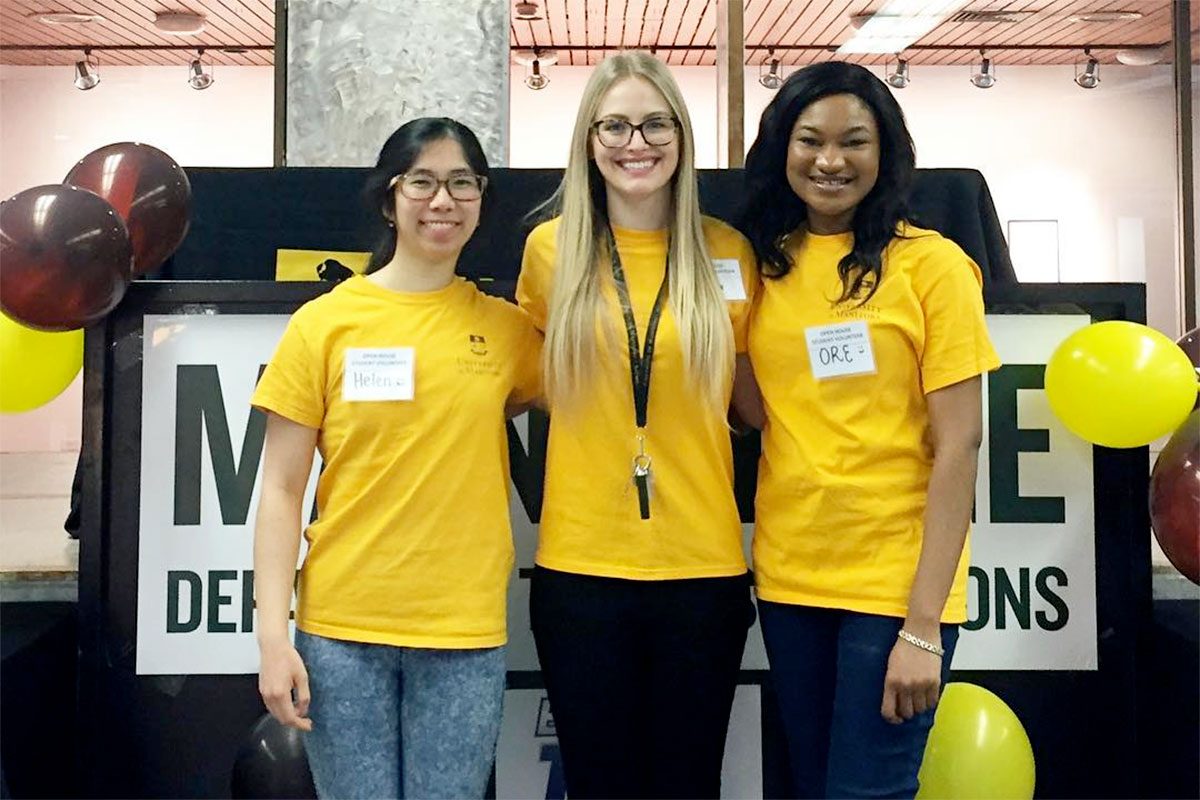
x=384 y=373
x=841 y=349
x=729 y=275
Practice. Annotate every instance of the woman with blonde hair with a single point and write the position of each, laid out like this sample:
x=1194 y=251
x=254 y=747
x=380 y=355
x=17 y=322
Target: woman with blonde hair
x=639 y=601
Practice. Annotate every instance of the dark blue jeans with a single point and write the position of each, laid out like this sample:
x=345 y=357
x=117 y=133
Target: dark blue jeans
x=827 y=669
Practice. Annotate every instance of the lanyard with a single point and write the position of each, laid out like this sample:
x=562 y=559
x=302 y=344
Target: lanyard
x=640 y=361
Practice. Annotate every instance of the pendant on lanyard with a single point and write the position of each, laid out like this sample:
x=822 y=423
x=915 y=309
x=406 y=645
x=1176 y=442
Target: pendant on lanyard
x=640 y=360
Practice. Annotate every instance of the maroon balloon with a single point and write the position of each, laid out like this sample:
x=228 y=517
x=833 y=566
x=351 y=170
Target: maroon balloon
x=150 y=192
x=65 y=257
x=1175 y=498
x=1190 y=342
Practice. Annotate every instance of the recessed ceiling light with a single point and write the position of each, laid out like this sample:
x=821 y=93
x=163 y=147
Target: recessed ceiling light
x=1142 y=56
x=178 y=23
x=1106 y=16
x=66 y=18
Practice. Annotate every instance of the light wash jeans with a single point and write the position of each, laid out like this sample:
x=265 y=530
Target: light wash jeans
x=401 y=722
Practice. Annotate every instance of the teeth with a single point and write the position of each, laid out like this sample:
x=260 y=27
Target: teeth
x=441 y=224
x=637 y=164
x=831 y=181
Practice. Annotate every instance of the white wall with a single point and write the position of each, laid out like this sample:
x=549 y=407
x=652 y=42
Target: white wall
x=1101 y=162
x=46 y=125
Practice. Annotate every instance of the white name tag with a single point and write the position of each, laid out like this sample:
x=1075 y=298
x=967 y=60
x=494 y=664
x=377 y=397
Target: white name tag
x=843 y=348
x=729 y=275
x=384 y=373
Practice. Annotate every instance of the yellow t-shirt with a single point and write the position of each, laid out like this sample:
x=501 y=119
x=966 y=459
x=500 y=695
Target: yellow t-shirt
x=412 y=544
x=590 y=521
x=846 y=460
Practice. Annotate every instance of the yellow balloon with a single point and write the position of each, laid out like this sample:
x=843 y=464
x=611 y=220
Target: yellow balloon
x=1120 y=384
x=977 y=749
x=35 y=366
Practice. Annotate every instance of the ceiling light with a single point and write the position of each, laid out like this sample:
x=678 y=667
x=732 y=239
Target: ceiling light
x=198 y=77
x=897 y=24
x=1090 y=77
x=985 y=78
x=179 y=23
x=66 y=18
x=535 y=79
x=771 y=79
x=545 y=58
x=899 y=78
x=1106 y=16
x=87 y=74
x=1142 y=56
x=526 y=11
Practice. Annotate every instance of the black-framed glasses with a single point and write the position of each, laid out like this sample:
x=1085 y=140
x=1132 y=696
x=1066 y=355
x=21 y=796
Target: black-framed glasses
x=464 y=186
x=616 y=132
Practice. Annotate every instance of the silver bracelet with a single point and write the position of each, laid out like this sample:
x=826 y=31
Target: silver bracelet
x=917 y=641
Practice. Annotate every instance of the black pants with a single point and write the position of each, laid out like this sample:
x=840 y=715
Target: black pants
x=641 y=677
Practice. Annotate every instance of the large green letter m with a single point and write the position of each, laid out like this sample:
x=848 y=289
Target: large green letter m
x=199 y=405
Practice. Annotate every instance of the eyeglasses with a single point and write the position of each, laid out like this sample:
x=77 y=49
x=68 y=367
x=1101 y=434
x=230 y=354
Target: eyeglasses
x=464 y=186
x=655 y=131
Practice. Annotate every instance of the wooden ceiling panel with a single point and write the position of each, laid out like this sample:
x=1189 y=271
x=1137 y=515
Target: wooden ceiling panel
x=130 y=24
x=705 y=35
x=584 y=31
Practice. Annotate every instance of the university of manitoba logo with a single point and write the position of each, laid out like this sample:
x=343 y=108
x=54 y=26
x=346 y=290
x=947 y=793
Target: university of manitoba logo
x=478 y=344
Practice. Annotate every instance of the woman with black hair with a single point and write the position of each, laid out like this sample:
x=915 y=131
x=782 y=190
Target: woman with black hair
x=400 y=378
x=868 y=343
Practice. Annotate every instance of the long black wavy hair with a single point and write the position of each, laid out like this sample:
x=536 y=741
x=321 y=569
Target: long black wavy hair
x=772 y=210
x=399 y=153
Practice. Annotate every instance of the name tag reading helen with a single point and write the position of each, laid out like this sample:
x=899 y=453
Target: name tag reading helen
x=384 y=373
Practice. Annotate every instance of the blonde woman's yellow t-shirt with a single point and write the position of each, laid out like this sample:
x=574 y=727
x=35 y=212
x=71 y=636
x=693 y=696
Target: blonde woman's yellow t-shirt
x=846 y=460
x=590 y=522
x=412 y=544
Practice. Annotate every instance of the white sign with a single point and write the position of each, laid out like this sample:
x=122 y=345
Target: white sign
x=201 y=457
x=1032 y=590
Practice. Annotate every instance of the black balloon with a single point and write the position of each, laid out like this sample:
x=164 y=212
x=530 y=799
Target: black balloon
x=271 y=763
x=148 y=189
x=65 y=258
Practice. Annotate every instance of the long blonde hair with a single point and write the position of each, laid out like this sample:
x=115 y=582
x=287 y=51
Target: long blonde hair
x=576 y=302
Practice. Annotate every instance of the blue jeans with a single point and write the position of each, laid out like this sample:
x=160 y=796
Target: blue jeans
x=392 y=722
x=827 y=669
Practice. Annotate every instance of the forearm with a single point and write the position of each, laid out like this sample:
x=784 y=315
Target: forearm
x=951 y=494
x=747 y=403
x=276 y=549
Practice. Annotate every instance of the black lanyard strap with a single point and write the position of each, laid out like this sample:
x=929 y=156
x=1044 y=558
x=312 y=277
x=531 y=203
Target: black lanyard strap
x=639 y=358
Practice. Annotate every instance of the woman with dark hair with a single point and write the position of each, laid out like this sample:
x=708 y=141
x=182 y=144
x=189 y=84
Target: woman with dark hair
x=868 y=343
x=400 y=378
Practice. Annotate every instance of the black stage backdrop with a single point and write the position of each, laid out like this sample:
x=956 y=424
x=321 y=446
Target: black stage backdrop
x=242 y=216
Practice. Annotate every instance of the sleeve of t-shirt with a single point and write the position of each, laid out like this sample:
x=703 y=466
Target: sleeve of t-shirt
x=527 y=376
x=739 y=312
x=292 y=385
x=532 y=288
x=957 y=343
